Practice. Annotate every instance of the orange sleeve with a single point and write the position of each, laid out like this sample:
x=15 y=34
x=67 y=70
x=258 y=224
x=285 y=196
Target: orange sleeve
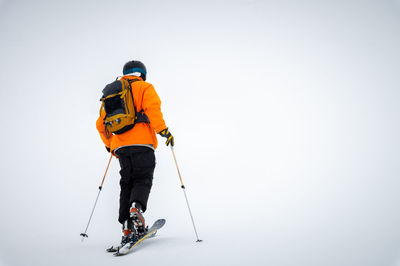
x=152 y=108
x=102 y=130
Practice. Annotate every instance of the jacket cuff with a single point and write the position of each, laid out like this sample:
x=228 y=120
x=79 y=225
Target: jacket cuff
x=160 y=128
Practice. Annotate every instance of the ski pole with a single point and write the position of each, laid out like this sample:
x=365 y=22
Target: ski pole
x=184 y=192
x=100 y=187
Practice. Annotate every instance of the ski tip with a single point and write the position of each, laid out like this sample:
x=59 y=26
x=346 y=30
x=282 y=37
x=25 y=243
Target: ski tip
x=111 y=249
x=116 y=254
x=160 y=222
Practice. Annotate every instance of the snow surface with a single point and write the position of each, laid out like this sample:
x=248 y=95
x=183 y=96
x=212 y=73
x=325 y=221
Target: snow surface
x=285 y=114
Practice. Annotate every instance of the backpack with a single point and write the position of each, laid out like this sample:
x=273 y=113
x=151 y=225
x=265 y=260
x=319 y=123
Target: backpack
x=118 y=104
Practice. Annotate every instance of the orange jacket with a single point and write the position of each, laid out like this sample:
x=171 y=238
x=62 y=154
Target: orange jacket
x=146 y=99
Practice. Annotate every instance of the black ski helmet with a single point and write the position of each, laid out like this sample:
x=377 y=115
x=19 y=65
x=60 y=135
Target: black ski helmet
x=135 y=66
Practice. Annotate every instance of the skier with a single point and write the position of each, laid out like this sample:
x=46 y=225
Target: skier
x=135 y=150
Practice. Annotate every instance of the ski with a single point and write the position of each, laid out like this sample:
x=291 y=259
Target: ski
x=115 y=249
x=119 y=251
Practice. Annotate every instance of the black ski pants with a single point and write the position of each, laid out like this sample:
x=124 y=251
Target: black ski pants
x=137 y=169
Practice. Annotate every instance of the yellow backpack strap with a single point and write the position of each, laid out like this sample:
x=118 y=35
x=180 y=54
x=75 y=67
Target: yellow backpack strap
x=130 y=81
x=112 y=95
x=123 y=94
x=140 y=117
x=102 y=106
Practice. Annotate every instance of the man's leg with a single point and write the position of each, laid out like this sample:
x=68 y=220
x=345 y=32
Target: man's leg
x=126 y=184
x=143 y=162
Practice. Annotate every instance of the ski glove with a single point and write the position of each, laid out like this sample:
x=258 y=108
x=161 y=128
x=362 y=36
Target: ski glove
x=108 y=149
x=166 y=134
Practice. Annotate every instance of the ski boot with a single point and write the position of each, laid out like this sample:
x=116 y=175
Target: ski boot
x=129 y=236
x=138 y=220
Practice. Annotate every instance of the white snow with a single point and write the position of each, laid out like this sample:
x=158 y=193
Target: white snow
x=285 y=116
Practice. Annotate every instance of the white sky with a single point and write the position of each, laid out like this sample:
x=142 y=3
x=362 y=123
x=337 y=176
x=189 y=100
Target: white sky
x=285 y=114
